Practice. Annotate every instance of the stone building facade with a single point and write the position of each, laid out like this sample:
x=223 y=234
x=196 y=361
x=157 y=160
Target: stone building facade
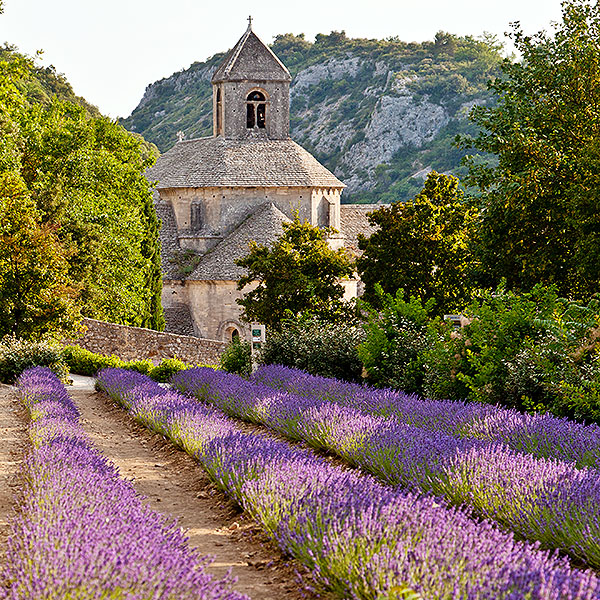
x=216 y=194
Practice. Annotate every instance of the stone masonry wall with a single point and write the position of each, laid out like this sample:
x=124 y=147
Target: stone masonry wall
x=135 y=343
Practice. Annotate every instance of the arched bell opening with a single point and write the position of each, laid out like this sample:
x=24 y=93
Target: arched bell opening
x=256 y=110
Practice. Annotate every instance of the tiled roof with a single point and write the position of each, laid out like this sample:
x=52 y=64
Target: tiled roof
x=264 y=226
x=178 y=319
x=353 y=220
x=169 y=244
x=217 y=162
x=251 y=59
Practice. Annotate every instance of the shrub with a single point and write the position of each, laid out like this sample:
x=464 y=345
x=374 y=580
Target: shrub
x=84 y=362
x=166 y=369
x=395 y=339
x=318 y=347
x=17 y=355
x=237 y=358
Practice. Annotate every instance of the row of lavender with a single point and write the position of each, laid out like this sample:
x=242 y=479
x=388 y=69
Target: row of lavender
x=548 y=501
x=83 y=532
x=542 y=435
x=358 y=537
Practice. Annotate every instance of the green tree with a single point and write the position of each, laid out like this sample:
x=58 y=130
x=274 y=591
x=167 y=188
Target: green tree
x=540 y=202
x=298 y=274
x=85 y=175
x=421 y=246
x=36 y=297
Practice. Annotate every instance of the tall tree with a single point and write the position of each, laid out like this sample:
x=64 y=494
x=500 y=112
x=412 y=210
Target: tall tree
x=421 y=246
x=299 y=274
x=540 y=202
x=85 y=175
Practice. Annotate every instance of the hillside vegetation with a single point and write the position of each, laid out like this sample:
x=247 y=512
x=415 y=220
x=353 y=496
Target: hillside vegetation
x=379 y=113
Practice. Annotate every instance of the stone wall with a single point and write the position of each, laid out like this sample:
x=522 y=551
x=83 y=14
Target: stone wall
x=135 y=343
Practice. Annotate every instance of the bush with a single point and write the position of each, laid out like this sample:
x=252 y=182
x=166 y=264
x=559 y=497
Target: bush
x=84 y=362
x=396 y=338
x=517 y=349
x=237 y=358
x=318 y=347
x=17 y=355
x=532 y=351
x=166 y=369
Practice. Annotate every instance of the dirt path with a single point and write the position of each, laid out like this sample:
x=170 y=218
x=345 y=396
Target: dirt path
x=12 y=442
x=175 y=484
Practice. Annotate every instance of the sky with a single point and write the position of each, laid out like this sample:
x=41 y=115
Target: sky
x=110 y=50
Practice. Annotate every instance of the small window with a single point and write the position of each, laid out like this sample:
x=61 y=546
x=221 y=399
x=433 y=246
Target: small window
x=250 y=119
x=235 y=336
x=219 y=113
x=256 y=110
x=196 y=216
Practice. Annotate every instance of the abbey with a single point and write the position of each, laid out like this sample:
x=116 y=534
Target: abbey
x=216 y=194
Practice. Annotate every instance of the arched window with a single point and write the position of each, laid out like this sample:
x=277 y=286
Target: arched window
x=219 y=113
x=256 y=110
x=235 y=336
x=323 y=218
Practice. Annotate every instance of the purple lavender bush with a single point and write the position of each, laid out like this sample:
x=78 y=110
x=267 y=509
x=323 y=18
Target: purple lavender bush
x=83 y=532
x=358 y=537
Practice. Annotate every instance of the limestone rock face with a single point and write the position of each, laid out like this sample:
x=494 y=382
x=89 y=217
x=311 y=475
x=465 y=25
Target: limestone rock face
x=331 y=70
x=397 y=121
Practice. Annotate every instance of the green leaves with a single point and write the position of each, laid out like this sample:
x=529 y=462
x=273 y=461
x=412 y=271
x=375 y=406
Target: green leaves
x=421 y=246
x=90 y=206
x=298 y=274
x=540 y=204
x=36 y=296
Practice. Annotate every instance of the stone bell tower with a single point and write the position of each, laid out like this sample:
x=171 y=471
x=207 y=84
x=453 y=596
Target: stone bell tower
x=251 y=92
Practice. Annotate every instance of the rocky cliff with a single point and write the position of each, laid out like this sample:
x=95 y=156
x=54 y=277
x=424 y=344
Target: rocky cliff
x=379 y=113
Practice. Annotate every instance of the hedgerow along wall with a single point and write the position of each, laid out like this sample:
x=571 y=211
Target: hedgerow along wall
x=136 y=343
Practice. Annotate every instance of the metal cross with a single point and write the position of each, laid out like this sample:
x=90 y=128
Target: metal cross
x=250 y=22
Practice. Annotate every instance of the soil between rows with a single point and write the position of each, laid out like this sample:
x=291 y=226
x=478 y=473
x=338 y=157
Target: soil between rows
x=13 y=437
x=174 y=484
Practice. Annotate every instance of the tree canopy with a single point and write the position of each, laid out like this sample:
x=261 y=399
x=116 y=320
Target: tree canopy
x=421 y=246
x=87 y=202
x=540 y=202
x=298 y=275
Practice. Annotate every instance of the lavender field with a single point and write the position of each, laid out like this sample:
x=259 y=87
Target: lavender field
x=361 y=536
x=376 y=494
x=541 y=499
